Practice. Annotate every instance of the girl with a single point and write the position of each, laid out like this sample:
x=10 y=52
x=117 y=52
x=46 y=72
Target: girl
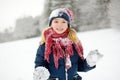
x=60 y=50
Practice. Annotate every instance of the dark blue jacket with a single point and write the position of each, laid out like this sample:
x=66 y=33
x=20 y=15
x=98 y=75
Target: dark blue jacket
x=78 y=65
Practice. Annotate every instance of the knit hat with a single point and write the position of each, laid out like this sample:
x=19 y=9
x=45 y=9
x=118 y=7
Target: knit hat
x=61 y=13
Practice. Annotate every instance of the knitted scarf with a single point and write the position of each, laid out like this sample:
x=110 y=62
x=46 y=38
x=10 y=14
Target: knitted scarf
x=60 y=45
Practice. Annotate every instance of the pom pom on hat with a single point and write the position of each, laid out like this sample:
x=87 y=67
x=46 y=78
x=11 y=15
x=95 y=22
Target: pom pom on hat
x=61 y=13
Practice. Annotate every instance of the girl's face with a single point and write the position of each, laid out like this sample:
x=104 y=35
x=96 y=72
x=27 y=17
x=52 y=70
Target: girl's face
x=59 y=25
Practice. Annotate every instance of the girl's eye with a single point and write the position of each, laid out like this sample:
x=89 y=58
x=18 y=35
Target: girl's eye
x=63 y=22
x=55 y=21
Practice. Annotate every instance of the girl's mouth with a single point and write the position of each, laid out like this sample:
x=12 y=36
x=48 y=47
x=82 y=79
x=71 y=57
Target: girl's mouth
x=59 y=29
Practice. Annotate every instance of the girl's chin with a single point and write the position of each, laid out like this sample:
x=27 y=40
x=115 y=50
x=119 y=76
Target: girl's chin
x=59 y=32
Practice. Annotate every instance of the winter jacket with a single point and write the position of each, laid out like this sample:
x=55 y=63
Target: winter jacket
x=78 y=65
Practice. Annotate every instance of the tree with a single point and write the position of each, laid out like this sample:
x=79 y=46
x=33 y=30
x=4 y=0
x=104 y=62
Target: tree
x=114 y=11
x=88 y=14
x=26 y=27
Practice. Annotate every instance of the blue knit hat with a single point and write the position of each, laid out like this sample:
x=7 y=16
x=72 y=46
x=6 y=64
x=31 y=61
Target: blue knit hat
x=61 y=13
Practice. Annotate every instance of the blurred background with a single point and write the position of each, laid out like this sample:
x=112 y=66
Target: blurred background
x=96 y=21
x=22 y=19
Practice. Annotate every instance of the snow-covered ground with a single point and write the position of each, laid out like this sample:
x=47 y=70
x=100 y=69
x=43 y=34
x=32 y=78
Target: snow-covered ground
x=17 y=58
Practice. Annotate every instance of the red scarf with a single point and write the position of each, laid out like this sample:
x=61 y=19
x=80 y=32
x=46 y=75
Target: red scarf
x=60 y=46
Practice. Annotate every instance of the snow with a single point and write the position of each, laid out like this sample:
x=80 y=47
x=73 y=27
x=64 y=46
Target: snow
x=107 y=42
x=17 y=58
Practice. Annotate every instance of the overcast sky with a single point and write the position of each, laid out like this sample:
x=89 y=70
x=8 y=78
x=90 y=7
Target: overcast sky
x=10 y=10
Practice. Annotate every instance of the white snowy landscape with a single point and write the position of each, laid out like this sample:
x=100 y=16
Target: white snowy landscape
x=17 y=58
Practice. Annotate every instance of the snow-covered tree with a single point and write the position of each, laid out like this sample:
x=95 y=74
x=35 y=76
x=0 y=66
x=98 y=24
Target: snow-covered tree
x=88 y=14
x=114 y=11
x=26 y=27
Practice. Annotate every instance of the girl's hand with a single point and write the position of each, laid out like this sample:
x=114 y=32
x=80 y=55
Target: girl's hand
x=40 y=73
x=93 y=57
